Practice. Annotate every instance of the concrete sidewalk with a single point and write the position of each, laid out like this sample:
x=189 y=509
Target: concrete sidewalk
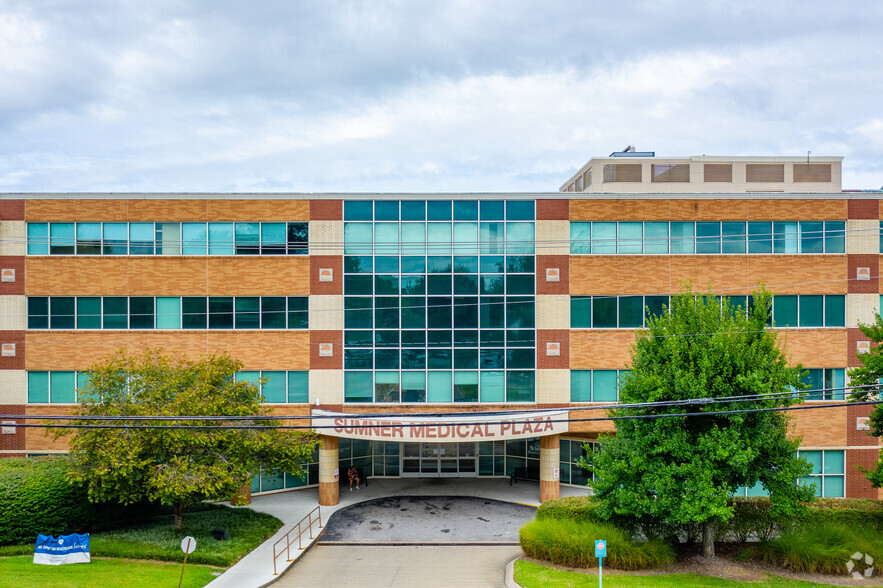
x=256 y=568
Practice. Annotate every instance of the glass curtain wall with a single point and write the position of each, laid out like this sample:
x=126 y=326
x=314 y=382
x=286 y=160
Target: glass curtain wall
x=439 y=301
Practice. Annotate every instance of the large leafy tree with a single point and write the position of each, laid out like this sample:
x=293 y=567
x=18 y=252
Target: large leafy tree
x=684 y=469
x=175 y=466
x=867 y=380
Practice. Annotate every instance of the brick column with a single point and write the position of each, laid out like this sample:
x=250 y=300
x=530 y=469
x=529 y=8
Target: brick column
x=329 y=482
x=550 y=461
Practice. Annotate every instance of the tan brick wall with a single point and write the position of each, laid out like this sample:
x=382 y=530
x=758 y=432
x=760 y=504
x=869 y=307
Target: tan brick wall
x=148 y=209
x=167 y=276
x=13 y=313
x=73 y=209
x=799 y=274
x=591 y=427
x=619 y=209
x=553 y=311
x=77 y=350
x=326 y=386
x=860 y=308
x=821 y=427
x=552 y=237
x=38 y=439
x=797 y=209
x=13 y=237
x=725 y=274
x=326 y=313
x=258 y=210
x=708 y=210
x=863 y=236
x=553 y=386
x=814 y=347
x=13 y=387
x=326 y=237
x=600 y=349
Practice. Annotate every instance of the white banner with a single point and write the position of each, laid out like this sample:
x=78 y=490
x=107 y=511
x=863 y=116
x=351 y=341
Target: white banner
x=446 y=429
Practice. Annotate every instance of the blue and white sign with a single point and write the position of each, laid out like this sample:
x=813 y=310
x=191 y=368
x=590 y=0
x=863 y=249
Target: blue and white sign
x=65 y=549
x=600 y=548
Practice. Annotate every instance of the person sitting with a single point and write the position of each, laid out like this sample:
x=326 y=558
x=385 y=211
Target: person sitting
x=353 y=474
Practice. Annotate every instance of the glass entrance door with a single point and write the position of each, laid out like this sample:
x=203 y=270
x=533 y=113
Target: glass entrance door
x=438 y=460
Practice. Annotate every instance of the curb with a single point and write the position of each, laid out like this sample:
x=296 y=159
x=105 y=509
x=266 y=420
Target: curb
x=510 y=574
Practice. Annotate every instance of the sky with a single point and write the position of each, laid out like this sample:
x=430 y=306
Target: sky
x=423 y=96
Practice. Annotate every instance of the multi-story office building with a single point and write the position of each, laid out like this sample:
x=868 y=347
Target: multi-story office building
x=458 y=305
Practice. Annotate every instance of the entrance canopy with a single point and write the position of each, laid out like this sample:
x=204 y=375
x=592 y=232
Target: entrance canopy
x=446 y=428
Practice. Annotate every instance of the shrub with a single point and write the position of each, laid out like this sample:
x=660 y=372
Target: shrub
x=36 y=497
x=572 y=508
x=821 y=548
x=572 y=543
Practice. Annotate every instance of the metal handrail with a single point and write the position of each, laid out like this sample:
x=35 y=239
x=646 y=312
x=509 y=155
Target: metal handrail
x=300 y=531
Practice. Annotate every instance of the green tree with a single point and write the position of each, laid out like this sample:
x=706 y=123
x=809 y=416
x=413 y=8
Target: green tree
x=682 y=470
x=176 y=467
x=869 y=376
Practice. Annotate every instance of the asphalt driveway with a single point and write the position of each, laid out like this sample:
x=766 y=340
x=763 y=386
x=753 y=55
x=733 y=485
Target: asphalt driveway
x=428 y=520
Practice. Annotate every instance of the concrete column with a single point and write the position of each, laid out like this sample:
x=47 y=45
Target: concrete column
x=550 y=461
x=329 y=483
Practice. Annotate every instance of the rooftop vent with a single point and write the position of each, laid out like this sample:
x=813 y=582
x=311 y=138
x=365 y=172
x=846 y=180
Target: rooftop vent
x=631 y=152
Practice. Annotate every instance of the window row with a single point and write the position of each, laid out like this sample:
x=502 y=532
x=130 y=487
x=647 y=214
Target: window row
x=60 y=387
x=439 y=285
x=629 y=312
x=707 y=238
x=828 y=382
x=418 y=312
x=828 y=472
x=438 y=210
x=381 y=238
x=269 y=480
x=595 y=385
x=280 y=387
x=572 y=450
x=439 y=264
x=168 y=312
x=168 y=238
x=439 y=386
x=441 y=359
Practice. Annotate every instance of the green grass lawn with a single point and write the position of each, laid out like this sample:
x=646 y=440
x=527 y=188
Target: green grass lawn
x=159 y=540
x=21 y=572
x=531 y=575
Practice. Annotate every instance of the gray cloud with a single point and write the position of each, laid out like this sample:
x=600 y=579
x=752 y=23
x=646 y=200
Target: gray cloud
x=423 y=96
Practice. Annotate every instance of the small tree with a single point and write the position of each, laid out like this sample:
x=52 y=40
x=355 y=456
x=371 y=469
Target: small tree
x=176 y=467
x=684 y=469
x=868 y=377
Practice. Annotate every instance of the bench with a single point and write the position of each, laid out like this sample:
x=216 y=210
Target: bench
x=344 y=480
x=529 y=474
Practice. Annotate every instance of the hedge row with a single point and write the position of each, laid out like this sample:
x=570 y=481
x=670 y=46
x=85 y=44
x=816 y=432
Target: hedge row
x=36 y=497
x=752 y=518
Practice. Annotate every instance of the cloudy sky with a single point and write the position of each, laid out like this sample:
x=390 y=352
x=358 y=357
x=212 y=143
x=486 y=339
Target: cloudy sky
x=421 y=95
